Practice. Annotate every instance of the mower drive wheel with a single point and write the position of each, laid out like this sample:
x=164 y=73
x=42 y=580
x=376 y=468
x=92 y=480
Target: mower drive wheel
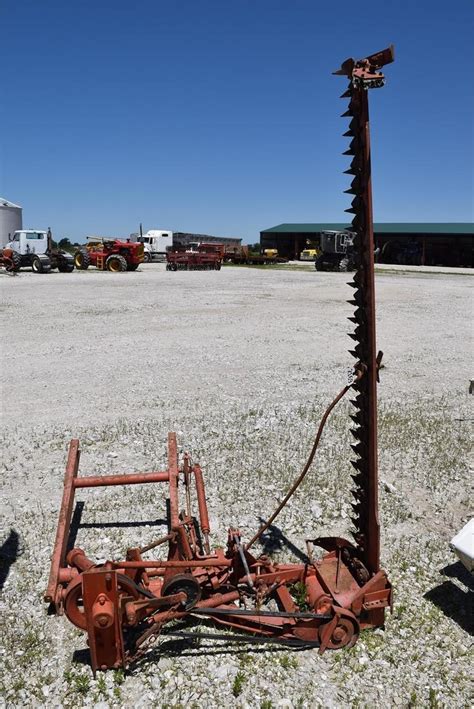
x=73 y=605
x=344 y=634
x=183 y=583
x=82 y=260
x=116 y=263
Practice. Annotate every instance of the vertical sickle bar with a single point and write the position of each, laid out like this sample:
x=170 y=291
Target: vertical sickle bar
x=363 y=74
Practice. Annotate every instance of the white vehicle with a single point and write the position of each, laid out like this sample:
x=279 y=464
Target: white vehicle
x=155 y=243
x=34 y=248
x=463 y=545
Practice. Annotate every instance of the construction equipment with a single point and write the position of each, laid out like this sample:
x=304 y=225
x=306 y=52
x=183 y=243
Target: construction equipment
x=109 y=255
x=270 y=253
x=33 y=248
x=323 y=602
x=310 y=254
x=243 y=255
x=337 y=251
x=196 y=256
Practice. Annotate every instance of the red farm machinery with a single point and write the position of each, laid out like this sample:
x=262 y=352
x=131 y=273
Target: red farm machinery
x=195 y=257
x=109 y=255
x=123 y=605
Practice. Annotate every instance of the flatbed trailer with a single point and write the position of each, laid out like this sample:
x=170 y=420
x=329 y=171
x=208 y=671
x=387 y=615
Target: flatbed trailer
x=242 y=256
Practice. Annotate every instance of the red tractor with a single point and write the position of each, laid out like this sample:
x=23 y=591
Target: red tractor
x=109 y=255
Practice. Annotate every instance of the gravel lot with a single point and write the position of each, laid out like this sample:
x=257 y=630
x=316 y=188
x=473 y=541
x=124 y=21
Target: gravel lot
x=241 y=363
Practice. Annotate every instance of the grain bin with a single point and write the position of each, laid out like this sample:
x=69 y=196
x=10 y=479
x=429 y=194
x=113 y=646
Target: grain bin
x=10 y=220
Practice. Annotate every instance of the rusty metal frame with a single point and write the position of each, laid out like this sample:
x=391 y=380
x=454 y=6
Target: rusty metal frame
x=124 y=604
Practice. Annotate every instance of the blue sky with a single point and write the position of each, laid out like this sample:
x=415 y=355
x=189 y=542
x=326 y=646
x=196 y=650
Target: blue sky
x=222 y=117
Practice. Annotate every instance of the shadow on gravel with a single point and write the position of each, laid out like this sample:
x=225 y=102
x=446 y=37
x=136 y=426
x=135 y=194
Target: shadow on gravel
x=274 y=540
x=77 y=524
x=188 y=648
x=199 y=645
x=452 y=600
x=9 y=553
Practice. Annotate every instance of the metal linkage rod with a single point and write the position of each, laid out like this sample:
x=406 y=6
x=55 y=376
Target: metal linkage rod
x=307 y=465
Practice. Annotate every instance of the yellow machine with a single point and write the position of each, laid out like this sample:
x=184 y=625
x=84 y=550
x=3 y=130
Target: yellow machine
x=309 y=254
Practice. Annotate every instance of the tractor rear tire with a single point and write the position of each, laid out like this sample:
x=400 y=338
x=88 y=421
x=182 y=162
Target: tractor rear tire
x=116 y=263
x=82 y=260
x=15 y=259
x=40 y=265
x=217 y=266
x=132 y=266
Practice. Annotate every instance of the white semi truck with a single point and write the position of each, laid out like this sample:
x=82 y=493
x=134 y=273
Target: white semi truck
x=155 y=243
x=34 y=248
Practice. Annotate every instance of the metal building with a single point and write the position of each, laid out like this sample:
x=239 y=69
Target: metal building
x=425 y=244
x=183 y=238
x=11 y=220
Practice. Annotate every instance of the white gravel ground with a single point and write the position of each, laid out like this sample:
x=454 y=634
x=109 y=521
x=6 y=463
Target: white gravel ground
x=241 y=363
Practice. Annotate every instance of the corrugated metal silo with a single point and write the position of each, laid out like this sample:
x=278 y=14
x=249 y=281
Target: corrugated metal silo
x=10 y=220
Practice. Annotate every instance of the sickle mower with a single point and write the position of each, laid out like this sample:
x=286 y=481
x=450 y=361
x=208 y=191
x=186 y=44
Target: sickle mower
x=124 y=605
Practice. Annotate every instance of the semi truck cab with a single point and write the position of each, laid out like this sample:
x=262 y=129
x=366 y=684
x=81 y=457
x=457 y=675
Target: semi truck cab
x=29 y=241
x=155 y=243
x=35 y=249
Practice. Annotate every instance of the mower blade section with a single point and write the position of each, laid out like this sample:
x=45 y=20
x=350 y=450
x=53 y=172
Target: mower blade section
x=363 y=75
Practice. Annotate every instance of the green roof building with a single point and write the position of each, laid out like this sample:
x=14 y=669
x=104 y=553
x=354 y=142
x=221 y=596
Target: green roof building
x=417 y=243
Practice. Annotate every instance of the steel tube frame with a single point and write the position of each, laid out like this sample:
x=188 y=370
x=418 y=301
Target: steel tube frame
x=125 y=479
x=62 y=533
x=179 y=564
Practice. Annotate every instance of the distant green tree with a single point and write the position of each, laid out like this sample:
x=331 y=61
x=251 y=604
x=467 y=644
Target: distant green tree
x=65 y=245
x=254 y=247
